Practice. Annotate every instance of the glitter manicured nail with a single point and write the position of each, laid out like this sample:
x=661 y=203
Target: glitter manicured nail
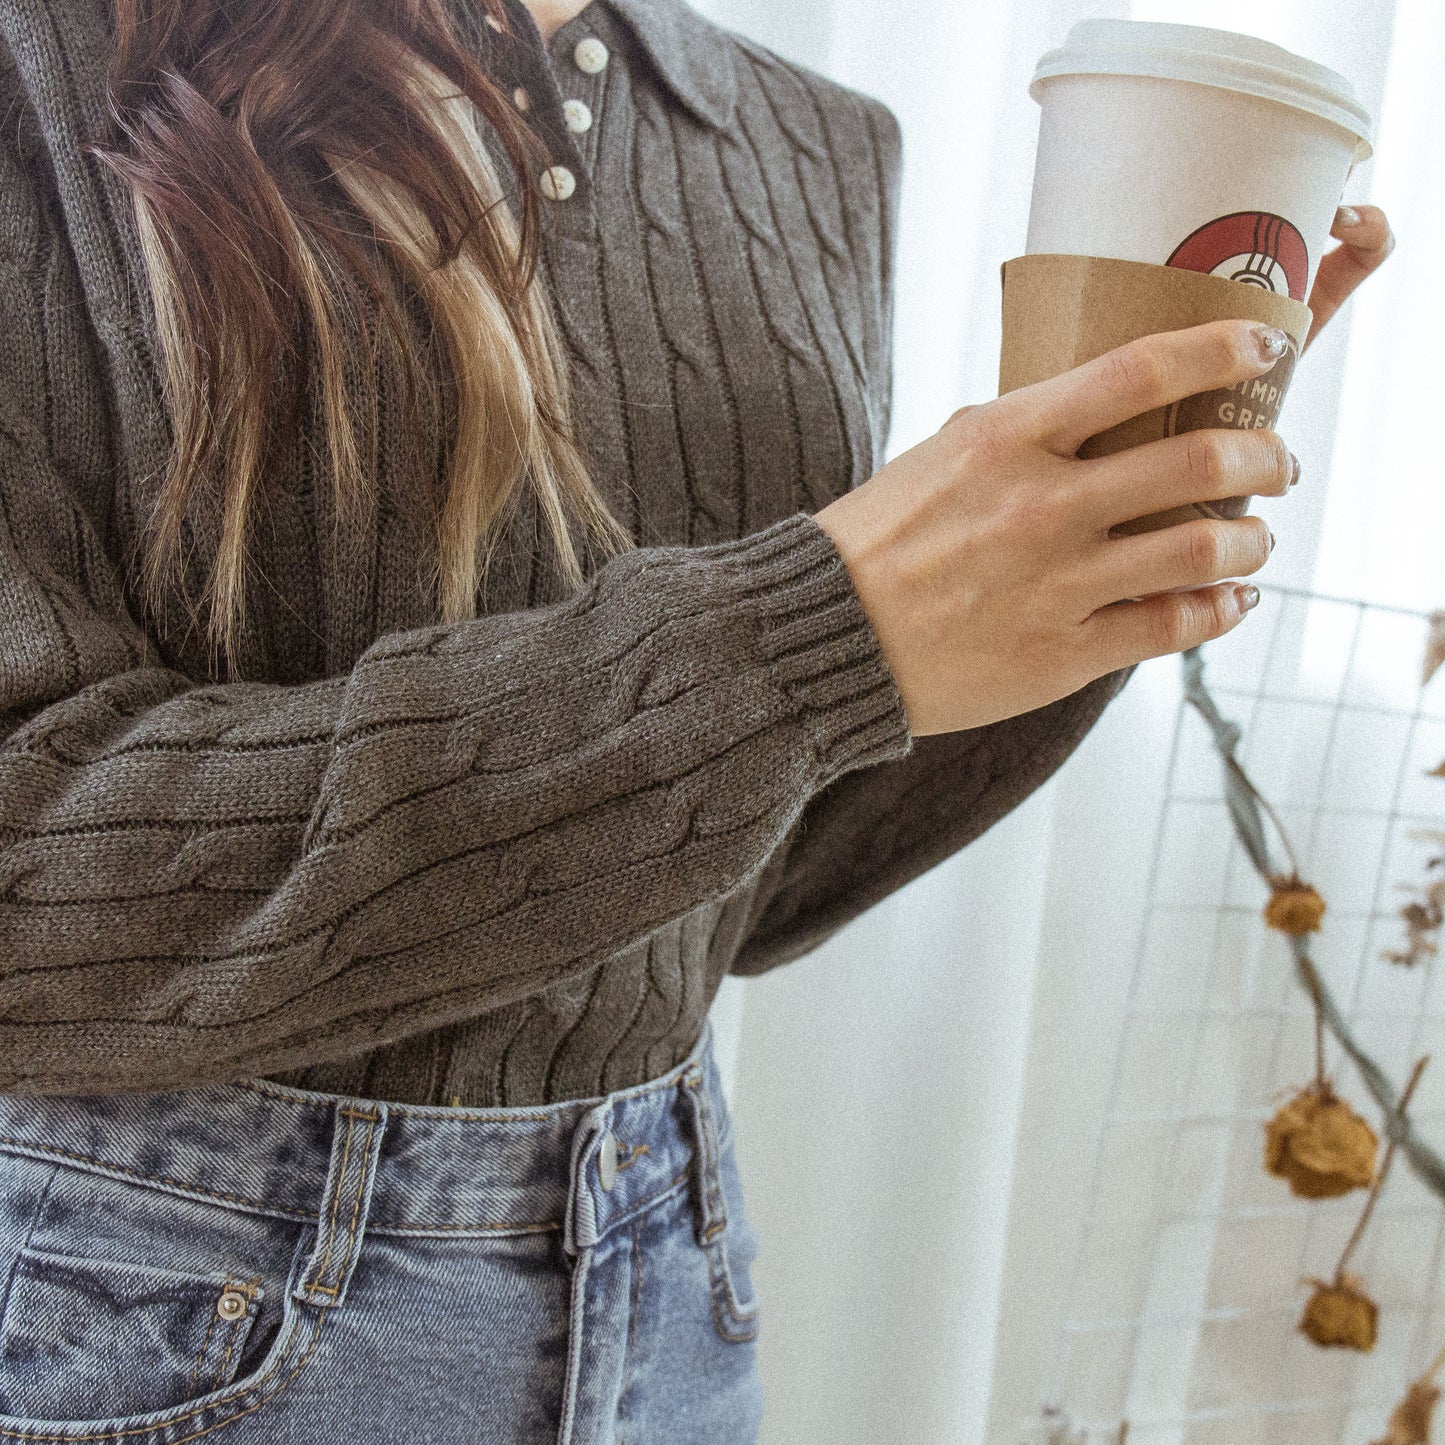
x=1273 y=343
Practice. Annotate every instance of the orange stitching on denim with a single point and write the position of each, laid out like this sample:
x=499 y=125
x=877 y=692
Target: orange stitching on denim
x=46 y=1150
x=201 y=1410
x=740 y=1311
x=364 y=1170
x=538 y=1228
x=633 y=1155
x=249 y=1290
x=206 y=1342
x=335 y=1205
x=747 y=1323
x=361 y=1177
x=643 y=1205
x=636 y=1315
x=714 y=1202
x=304 y=1216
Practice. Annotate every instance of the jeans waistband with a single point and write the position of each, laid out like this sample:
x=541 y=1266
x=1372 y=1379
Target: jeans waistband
x=583 y=1166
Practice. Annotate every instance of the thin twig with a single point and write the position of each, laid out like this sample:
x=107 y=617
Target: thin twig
x=1312 y=984
x=1380 y=1176
x=1273 y=818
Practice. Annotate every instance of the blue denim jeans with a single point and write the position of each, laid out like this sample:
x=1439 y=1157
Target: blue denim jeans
x=252 y=1263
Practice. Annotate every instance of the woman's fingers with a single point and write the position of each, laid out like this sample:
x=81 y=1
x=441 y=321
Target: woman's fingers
x=1198 y=466
x=1155 y=626
x=1189 y=555
x=1065 y=411
x=1367 y=241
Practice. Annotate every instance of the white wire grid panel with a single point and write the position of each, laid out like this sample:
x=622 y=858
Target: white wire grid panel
x=1184 y=1299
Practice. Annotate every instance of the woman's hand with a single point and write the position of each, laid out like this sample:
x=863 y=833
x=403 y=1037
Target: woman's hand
x=1367 y=241
x=983 y=556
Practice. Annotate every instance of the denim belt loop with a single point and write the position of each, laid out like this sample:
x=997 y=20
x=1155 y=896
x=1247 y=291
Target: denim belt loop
x=355 y=1145
x=711 y=1216
x=579 y=1227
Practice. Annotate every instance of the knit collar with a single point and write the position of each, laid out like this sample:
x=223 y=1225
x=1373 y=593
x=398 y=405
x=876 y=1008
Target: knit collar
x=692 y=55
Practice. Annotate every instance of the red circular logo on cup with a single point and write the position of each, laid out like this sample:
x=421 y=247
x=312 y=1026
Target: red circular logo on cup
x=1253 y=247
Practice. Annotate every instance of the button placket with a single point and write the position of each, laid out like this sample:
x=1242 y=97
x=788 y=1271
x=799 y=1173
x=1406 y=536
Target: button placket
x=582 y=66
x=529 y=73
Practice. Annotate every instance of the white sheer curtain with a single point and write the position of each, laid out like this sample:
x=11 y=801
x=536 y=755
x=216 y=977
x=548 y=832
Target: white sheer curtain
x=907 y=1096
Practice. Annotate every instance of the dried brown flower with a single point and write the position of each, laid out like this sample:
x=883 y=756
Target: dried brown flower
x=1294 y=907
x=1340 y=1315
x=1423 y=919
x=1320 y=1145
x=1410 y=1424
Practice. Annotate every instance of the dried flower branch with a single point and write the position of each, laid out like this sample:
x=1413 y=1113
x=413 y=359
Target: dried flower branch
x=1340 y=1313
x=1389 y=1159
x=1248 y=820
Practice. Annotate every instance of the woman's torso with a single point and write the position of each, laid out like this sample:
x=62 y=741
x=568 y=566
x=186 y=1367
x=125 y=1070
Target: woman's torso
x=719 y=274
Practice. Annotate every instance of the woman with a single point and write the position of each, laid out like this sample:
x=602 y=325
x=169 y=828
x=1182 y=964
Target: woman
x=426 y=674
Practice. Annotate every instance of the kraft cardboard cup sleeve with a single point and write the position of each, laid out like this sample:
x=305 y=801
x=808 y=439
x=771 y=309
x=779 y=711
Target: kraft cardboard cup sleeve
x=1205 y=160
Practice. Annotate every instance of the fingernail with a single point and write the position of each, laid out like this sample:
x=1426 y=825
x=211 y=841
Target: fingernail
x=1273 y=343
x=1294 y=469
x=1346 y=217
x=1247 y=597
x=1271 y=542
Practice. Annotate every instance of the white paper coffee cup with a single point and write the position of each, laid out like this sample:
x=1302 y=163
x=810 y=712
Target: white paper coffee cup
x=1180 y=145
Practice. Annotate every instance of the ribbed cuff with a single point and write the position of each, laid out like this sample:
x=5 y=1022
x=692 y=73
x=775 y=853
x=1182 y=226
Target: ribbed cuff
x=819 y=645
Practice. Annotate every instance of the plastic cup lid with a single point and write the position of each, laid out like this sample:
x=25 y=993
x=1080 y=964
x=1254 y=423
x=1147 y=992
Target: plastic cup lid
x=1209 y=57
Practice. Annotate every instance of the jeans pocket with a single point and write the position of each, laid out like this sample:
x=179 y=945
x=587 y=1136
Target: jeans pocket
x=83 y=1337
x=121 y=1304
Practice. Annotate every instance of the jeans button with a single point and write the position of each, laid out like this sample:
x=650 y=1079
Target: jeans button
x=607 y=1161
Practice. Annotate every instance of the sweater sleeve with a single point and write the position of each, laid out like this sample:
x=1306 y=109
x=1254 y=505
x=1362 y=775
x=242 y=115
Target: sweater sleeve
x=868 y=834
x=201 y=882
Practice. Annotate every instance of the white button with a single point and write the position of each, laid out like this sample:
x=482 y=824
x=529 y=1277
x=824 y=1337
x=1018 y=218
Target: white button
x=521 y=99
x=578 y=115
x=607 y=1161
x=558 y=183
x=591 y=56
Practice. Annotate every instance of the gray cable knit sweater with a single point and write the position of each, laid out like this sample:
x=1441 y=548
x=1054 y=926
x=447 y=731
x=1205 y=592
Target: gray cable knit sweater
x=509 y=860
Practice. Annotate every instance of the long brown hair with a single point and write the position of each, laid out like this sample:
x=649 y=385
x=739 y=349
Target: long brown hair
x=224 y=116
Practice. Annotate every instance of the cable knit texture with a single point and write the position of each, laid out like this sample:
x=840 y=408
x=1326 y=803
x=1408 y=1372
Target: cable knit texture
x=509 y=860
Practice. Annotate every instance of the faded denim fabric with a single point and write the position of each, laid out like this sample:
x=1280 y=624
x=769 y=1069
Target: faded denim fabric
x=252 y=1263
